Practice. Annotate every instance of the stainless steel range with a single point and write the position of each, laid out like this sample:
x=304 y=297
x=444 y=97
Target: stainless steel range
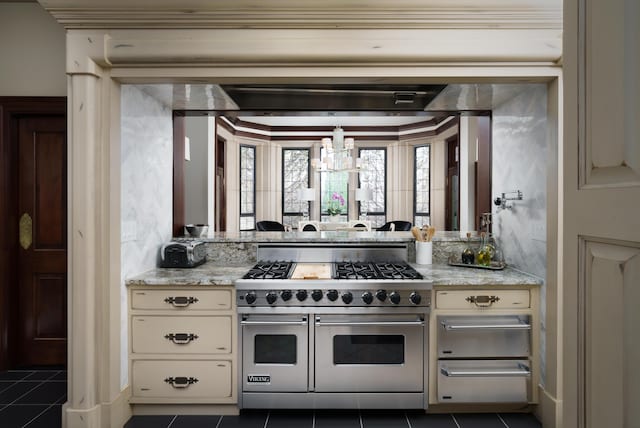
x=340 y=326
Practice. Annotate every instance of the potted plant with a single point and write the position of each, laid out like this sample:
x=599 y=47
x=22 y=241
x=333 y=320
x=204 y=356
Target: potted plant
x=334 y=206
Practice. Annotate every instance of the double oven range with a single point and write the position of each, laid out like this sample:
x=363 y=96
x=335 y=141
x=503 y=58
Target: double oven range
x=340 y=326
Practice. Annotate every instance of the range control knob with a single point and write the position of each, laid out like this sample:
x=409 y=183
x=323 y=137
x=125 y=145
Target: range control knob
x=415 y=298
x=286 y=295
x=394 y=297
x=381 y=295
x=250 y=297
x=332 y=295
x=347 y=297
x=272 y=296
x=316 y=295
x=301 y=295
x=367 y=297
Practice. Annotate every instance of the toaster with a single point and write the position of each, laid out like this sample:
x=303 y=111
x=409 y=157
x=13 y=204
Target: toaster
x=186 y=254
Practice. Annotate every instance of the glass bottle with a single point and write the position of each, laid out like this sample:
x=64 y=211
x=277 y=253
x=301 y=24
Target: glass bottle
x=468 y=255
x=483 y=257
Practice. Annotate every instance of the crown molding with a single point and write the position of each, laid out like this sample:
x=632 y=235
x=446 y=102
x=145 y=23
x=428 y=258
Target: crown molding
x=296 y=14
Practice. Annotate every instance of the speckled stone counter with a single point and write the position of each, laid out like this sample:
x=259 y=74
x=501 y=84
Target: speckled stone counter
x=440 y=274
x=443 y=274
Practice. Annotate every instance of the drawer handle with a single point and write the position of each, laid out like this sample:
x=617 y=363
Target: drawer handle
x=181 y=301
x=521 y=371
x=181 y=338
x=519 y=326
x=482 y=301
x=181 y=381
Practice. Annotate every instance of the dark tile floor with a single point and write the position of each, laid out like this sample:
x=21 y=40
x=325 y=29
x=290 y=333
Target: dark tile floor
x=33 y=398
x=339 y=419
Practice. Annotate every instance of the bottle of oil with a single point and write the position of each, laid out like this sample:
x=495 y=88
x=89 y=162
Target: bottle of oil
x=483 y=257
x=468 y=255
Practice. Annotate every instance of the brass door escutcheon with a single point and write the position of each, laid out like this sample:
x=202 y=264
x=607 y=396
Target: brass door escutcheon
x=26 y=231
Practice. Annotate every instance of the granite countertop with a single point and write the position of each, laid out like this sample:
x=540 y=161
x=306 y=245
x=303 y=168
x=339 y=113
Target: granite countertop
x=324 y=236
x=210 y=274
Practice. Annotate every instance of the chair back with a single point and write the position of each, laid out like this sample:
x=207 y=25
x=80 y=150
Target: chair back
x=398 y=225
x=360 y=224
x=270 y=226
x=308 y=226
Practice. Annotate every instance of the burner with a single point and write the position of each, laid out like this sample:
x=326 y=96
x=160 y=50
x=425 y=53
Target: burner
x=269 y=270
x=397 y=271
x=354 y=270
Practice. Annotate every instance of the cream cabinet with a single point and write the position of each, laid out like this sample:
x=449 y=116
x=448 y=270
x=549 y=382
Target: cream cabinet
x=182 y=345
x=484 y=346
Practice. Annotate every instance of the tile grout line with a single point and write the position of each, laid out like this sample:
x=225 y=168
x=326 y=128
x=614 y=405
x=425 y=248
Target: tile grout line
x=29 y=391
x=407 y=418
x=502 y=420
x=172 y=420
x=313 y=419
x=266 y=421
x=219 y=421
x=360 y=417
x=38 y=415
x=455 y=420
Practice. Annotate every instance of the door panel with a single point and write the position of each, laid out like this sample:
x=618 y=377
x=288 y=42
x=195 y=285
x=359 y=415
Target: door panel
x=600 y=226
x=42 y=265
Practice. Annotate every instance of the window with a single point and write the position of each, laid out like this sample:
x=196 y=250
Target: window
x=421 y=186
x=295 y=176
x=374 y=177
x=247 y=187
x=334 y=191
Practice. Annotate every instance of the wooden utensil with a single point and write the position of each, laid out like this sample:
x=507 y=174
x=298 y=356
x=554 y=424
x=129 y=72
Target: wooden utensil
x=416 y=233
x=430 y=232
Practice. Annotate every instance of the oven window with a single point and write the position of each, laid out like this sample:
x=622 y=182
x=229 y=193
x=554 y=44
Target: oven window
x=368 y=349
x=275 y=349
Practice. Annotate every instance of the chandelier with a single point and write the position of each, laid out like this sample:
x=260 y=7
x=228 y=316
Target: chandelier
x=337 y=154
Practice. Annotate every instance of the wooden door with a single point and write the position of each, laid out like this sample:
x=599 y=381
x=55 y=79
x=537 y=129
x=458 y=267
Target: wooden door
x=601 y=214
x=452 y=187
x=41 y=290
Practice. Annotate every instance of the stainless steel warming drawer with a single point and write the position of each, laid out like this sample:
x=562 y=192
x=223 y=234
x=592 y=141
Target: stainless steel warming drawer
x=484 y=381
x=484 y=336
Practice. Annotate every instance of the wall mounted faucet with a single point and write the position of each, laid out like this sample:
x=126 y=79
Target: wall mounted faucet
x=501 y=201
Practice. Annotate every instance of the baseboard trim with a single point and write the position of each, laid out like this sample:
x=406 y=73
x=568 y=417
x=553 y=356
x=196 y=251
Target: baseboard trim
x=185 y=409
x=112 y=415
x=549 y=412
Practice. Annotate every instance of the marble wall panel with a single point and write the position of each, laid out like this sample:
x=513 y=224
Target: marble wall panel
x=146 y=190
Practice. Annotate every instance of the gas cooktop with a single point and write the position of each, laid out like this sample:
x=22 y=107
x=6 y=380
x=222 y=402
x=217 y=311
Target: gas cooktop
x=283 y=270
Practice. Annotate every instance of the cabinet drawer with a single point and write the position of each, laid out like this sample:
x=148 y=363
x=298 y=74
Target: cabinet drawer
x=484 y=381
x=482 y=299
x=484 y=336
x=181 y=334
x=181 y=300
x=181 y=379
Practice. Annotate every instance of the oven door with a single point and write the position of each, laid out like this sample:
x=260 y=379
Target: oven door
x=274 y=353
x=365 y=353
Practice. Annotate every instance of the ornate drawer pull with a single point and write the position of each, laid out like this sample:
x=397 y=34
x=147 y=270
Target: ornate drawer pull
x=181 y=338
x=181 y=301
x=181 y=381
x=482 y=301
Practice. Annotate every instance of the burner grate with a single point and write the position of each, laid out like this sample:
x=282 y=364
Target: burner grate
x=354 y=270
x=269 y=270
x=397 y=271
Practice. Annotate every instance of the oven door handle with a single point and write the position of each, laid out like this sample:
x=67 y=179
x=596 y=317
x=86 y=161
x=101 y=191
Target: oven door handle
x=451 y=327
x=522 y=370
x=247 y=322
x=417 y=323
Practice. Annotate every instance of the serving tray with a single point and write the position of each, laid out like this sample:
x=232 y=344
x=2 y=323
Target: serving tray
x=492 y=266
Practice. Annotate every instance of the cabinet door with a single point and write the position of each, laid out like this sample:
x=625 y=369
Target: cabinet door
x=181 y=379
x=181 y=334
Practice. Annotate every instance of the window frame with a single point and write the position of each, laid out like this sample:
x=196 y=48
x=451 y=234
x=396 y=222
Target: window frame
x=253 y=190
x=297 y=213
x=386 y=185
x=415 y=183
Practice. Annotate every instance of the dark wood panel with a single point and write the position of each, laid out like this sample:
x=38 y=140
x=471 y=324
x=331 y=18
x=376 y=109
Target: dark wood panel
x=179 y=134
x=50 y=306
x=11 y=109
x=50 y=199
x=483 y=169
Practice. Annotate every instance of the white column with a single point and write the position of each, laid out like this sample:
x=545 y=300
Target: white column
x=466 y=162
